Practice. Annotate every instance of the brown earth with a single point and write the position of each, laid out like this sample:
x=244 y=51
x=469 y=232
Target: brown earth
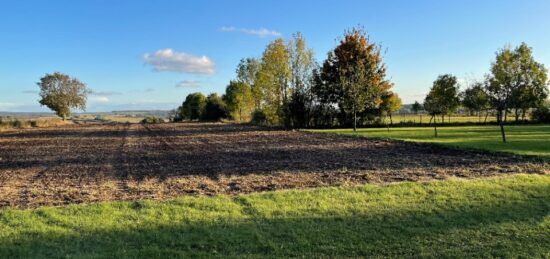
x=90 y=163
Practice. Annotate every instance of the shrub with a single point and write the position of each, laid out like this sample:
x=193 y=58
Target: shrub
x=541 y=114
x=259 y=117
x=152 y=120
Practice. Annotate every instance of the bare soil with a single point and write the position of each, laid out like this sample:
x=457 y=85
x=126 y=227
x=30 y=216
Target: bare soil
x=91 y=163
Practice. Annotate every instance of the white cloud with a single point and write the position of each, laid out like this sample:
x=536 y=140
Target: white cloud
x=187 y=84
x=100 y=99
x=262 y=32
x=170 y=60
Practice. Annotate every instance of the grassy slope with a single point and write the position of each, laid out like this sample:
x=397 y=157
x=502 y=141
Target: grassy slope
x=524 y=139
x=503 y=217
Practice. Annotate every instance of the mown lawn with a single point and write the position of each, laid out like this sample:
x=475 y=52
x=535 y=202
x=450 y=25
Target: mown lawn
x=523 y=139
x=501 y=217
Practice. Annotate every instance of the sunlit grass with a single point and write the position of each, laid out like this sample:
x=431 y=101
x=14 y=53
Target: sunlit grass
x=502 y=217
x=522 y=139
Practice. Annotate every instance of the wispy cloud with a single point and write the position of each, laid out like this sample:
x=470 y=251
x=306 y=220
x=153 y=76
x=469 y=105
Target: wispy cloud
x=100 y=99
x=170 y=60
x=148 y=90
x=104 y=93
x=262 y=32
x=187 y=84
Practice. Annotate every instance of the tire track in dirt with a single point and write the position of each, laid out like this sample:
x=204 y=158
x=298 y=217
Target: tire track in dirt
x=122 y=162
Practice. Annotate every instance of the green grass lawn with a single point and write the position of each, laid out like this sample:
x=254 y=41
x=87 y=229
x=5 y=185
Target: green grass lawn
x=500 y=217
x=522 y=139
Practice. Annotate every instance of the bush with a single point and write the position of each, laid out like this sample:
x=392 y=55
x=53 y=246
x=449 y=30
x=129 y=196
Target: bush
x=259 y=117
x=541 y=114
x=152 y=120
x=19 y=124
x=214 y=109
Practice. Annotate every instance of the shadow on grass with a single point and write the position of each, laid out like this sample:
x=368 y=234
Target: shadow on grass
x=494 y=228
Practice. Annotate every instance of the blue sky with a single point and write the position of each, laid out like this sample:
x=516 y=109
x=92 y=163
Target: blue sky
x=151 y=54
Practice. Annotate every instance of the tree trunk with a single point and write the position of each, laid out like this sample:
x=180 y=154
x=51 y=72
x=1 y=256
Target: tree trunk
x=435 y=126
x=501 y=123
x=524 y=111
x=391 y=120
x=486 y=115
x=502 y=132
x=516 y=115
x=354 y=120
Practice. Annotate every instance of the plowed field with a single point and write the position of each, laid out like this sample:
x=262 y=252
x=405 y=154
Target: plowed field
x=90 y=163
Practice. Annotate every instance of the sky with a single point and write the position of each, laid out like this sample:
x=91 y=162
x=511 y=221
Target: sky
x=137 y=55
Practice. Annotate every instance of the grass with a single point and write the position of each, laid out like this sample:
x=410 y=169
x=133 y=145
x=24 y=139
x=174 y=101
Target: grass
x=522 y=139
x=499 y=217
x=425 y=119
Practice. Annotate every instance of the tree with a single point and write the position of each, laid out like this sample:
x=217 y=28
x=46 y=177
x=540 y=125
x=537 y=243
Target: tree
x=61 y=93
x=353 y=75
x=239 y=100
x=475 y=99
x=193 y=106
x=442 y=98
x=272 y=80
x=301 y=60
x=247 y=72
x=390 y=104
x=214 y=108
x=511 y=72
x=416 y=107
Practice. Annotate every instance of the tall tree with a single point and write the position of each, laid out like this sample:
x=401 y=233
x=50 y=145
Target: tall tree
x=272 y=79
x=354 y=75
x=512 y=71
x=239 y=100
x=390 y=104
x=301 y=65
x=61 y=93
x=442 y=98
x=475 y=99
x=247 y=72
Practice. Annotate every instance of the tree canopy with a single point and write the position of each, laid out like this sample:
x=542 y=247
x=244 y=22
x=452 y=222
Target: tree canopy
x=61 y=93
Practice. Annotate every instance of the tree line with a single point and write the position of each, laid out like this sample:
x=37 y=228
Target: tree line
x=515 y=84
x=287 y=87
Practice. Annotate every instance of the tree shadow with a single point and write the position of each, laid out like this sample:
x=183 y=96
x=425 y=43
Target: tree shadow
x=485 y=229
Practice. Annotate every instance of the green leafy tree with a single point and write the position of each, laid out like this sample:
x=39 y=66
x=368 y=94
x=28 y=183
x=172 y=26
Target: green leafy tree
x=214 y=108
x=513 y=71
x=390 y=104
x=443 y=98
x=475 y=99
x=298 y=107
x=353 y=76
x=61 y=93
x=272 y=81
x=247 y=72
x=193 y=107
x=239 y=100
x=416 y=107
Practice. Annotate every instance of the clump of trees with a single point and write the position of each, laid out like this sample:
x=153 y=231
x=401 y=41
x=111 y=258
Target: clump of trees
x=286 y=87
x=61 y=93
x=198 y=107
